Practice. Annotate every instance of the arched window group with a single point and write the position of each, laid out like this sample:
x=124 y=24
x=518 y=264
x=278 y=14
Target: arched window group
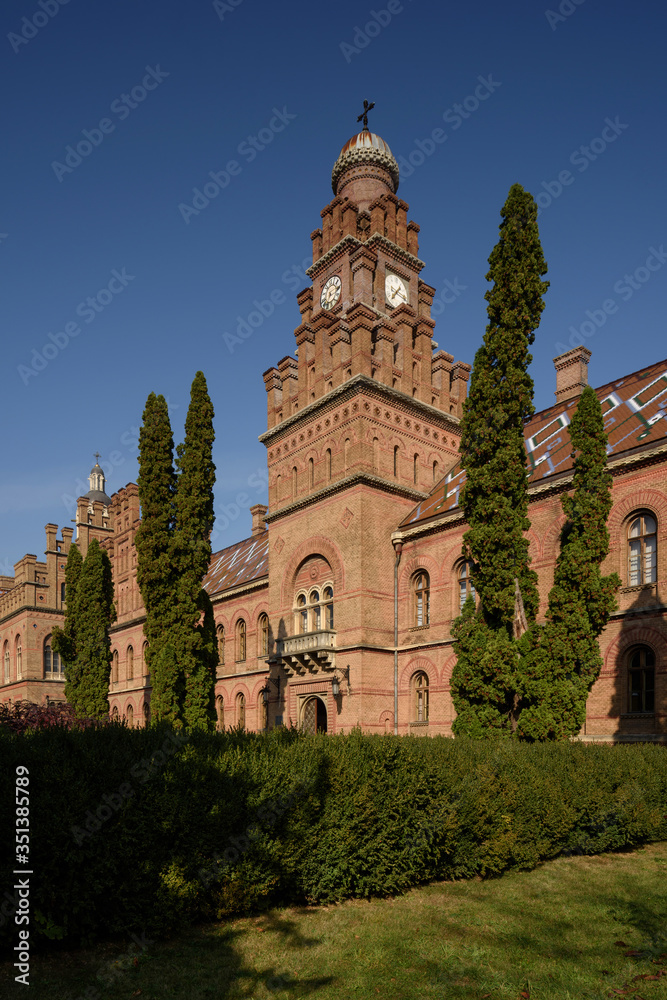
x=421 y=598
x=314 y=610
x=221 y=645
x=129 y=660
x=240 y=640
x=263 y=635
x=240 y=711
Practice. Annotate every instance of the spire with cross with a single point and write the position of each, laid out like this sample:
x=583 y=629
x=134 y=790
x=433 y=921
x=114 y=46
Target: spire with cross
x=364 y=114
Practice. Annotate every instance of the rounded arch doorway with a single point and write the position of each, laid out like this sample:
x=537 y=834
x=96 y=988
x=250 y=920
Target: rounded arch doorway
x=314 y=715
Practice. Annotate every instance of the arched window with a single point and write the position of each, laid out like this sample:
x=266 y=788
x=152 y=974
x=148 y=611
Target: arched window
x=642 y=549
x=396 y=461
x=129 y=660
x=420 y=698
x=302 y=613
x=421 y=591
x=376 y=455
x=114 y=713
x=328 y=608
x=240 y=711
x=294 y=480
x=51 y=659
x=466 y=587
x=435 y=472
x=19 y=658
x=415 y=469
x=328 y=464
x=240 y=640
x=129 y=715
x=263 y=713
x=641 y=677
x=347 y=454
x=311 y=474
x=147 y=713
x=220 y=711
x=263 y=635
x=278 y=487
x=7 y=661
x=221 y=645
x=114 y=669
x=144 y=658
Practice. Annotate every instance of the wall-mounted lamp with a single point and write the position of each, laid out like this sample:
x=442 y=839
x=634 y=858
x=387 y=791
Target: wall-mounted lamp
x=266 y=691
x=335 y=683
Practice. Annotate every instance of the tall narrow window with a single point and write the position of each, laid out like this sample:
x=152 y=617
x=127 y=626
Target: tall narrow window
x=328 y=608
x=130 y=663
x=294 y=481
x=278 y=487
x=415 y=469
x=19 y=659
x=240 y=640
x=328 y=464
x=51 y=659
x=311 y=474
x=263 y=635
x=396 y=461
x=420 y=698
x=316 y=611
x=376 y=456
x=144 y=658
x=466 y=587
x=435 y=472
x=129 y=715
x=221 y=645
x=302 y=613
x=347 y=454
x=220 y=712
x=421 y=598
x=147 y=713
x=240 y=711
x=114 y=667
x=7 y=663
x=62 y=593
x=642 y=550
x=641 y=676
x=263 y=714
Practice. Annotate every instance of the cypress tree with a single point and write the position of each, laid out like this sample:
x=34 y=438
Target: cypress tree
x=156 y=572
x=87 y=685
x=486 y=680
x=63 y=641
x=192 y=555
x=566 y=660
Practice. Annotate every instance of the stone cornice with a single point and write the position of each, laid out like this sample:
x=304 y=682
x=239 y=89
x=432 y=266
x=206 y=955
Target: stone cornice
x=338 y=250
x=243 y=588
x=342 y=485
x=31 y=607
x=393 y=250
x=375 y=240
x=352 y=387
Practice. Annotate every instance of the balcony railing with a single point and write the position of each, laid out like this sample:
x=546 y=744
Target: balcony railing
x=310 y=651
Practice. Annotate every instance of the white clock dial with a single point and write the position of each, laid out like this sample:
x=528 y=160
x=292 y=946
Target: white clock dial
x=395 y=290
x=330 y=292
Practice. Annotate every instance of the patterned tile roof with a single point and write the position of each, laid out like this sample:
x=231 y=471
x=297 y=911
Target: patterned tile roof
x=635 y=415
x=239 y=564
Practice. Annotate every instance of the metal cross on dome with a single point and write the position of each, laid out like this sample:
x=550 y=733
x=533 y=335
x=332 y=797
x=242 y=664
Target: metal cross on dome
x=97 y=456
x=364 y=114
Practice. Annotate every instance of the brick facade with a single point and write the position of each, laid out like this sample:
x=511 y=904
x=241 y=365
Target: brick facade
x=362 y=448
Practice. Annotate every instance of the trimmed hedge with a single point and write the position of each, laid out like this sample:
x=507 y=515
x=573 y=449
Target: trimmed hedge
x=145 y=830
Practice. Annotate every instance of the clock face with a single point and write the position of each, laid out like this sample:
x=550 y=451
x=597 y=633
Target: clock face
x=330 y=292
x=395 y=290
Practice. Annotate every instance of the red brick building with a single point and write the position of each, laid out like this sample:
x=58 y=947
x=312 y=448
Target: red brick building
x=336 y=611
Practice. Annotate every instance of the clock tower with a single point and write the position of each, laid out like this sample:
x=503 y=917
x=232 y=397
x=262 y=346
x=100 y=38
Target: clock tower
x=362 y=421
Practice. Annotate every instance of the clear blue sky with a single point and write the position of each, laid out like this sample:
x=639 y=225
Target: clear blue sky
x=217 y=73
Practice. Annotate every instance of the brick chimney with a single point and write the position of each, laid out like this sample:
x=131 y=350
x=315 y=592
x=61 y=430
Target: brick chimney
x=571 y=373
x=258 y=518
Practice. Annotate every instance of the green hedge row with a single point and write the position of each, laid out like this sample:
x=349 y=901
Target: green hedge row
x=143 y=830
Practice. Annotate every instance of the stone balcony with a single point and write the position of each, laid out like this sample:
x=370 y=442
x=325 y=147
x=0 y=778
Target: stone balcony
x=307 y=653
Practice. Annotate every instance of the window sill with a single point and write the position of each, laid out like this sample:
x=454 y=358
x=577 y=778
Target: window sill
x=639 y=587
x=638 y=715
x=418 y=725
x=419 y=628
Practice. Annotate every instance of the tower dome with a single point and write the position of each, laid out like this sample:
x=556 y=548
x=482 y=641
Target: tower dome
x=365 y=169
x=97 y=484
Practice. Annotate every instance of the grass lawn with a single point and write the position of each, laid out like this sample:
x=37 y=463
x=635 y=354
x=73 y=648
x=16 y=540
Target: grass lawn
x=573 y=928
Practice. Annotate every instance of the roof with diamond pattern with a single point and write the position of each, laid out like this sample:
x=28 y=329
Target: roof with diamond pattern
x=635 y=415
x=239 y=564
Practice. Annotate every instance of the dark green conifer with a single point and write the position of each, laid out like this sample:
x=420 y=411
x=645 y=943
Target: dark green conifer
x=63 y=641
x=566 y=660
x=494 y=498
x=156 y=572
x=87 y=684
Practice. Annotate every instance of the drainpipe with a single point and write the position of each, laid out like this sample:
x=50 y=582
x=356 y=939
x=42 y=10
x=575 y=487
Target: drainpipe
x=398 y=547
